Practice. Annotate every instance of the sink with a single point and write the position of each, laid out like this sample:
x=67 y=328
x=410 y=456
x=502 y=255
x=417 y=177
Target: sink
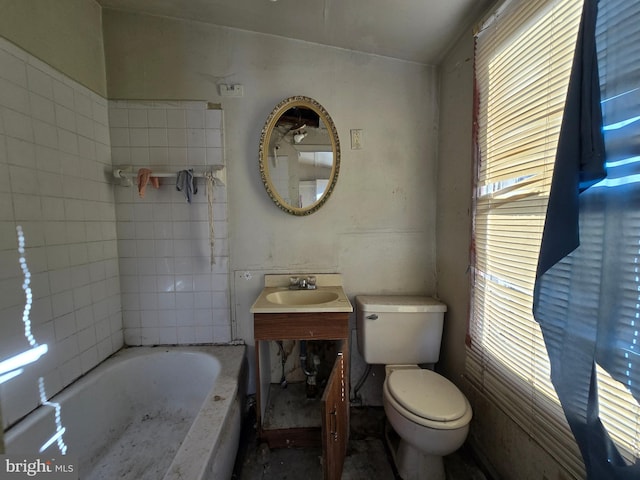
x=276 y=297
x=302 y=297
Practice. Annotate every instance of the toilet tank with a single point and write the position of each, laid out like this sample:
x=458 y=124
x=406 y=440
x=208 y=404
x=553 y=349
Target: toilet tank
x=397 y=329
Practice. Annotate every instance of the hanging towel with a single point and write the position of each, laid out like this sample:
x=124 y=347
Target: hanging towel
x=144 y=177
x=187 y=183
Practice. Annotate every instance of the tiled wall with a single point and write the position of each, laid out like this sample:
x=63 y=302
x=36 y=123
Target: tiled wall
x=55 y=182
x=171 y=292
x=85 y=245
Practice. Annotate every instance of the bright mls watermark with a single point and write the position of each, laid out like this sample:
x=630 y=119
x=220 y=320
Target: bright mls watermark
x=18 y=467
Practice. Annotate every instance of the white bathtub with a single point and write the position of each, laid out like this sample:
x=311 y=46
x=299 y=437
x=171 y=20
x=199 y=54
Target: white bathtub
x=147 y=413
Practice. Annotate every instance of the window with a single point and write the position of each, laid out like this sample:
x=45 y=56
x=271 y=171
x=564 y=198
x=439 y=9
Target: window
x=524 y=54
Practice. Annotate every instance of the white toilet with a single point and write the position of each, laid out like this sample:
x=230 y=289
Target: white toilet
x=428 y=412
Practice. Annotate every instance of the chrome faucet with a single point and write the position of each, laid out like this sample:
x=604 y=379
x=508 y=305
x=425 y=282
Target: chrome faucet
x=302 y=283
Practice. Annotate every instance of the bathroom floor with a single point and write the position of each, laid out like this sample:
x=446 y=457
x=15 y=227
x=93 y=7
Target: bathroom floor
x=367 y=456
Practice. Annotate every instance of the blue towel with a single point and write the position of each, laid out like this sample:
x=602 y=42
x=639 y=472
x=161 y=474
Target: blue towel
x=187 y=183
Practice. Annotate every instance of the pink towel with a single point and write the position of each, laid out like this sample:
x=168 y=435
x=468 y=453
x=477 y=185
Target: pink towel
x=144 y=177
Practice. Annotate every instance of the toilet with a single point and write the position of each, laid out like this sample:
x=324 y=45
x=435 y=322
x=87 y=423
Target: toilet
x=429 y=414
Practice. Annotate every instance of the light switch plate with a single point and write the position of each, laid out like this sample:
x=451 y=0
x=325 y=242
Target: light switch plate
x=356 y=139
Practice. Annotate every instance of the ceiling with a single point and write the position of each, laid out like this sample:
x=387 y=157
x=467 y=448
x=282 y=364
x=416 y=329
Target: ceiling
x=414 y=30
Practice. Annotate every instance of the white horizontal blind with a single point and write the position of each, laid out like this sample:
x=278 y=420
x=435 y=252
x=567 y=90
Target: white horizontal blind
x=523 y=62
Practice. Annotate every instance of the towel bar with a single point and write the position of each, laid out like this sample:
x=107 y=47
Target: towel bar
x=219 y=173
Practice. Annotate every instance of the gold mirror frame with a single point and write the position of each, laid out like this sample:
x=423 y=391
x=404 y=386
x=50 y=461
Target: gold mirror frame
x=265 y=141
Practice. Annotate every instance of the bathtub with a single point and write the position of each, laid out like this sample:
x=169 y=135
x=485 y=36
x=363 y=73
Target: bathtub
x=146 y=413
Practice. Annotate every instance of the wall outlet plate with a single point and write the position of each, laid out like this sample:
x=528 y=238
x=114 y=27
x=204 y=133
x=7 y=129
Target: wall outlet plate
x=231 y=90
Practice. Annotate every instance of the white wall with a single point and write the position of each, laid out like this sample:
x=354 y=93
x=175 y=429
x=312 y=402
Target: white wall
x=66 y=34
x=54 y=182
x=378 y=228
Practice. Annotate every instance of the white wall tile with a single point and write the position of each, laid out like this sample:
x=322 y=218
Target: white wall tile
x=139 y=157
x=119 y=137
x=70 y=370
x=89 y=359
x=158 y=137
x=45 y=134
x=100 y=111
x=138 y=118
x=83 y=104
x=176 y=118
x=73 y=283
x=26 y=207
x=157 y=118
x=103 y=330
x=213 y=138
x=204 y=334
x=118 y=118
x=67 y=141
x=42 y=108
x=197 y=156
x=108 y=346
x=132 y=336
x=39 y=82
x=148 y=319
x=64 y=326
x=139 y=137
x=195 y=118
x=63 y=94
x=213 y=119
x=65 y=117
x=85 y=126
x=101 y=133
x=221 y=334
x=186 y=335
x=85 y=319
x=20 y=152
x=16 y=124
x=177 y=137
x=12 y=68
x=14 y=96
x=168 y=335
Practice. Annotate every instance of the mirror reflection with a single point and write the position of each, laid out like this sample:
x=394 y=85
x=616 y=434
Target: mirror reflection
x=299 y=155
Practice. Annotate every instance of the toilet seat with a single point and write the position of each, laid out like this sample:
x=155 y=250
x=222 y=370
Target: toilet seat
x=427 y=398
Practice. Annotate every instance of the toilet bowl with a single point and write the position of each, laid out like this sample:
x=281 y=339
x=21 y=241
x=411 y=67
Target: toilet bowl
x=427 y=412
x=431 y=417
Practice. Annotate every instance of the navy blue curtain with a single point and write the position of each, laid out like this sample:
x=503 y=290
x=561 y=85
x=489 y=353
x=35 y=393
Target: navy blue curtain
x=579 y=297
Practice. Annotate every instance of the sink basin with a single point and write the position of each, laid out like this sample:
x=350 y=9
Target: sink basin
x=302 y=297
x=276 y=297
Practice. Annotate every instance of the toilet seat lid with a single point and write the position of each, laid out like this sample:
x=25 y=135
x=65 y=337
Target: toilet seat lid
x=427 y=394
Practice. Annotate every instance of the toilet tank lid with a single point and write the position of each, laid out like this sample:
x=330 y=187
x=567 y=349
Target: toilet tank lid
x=399 y=303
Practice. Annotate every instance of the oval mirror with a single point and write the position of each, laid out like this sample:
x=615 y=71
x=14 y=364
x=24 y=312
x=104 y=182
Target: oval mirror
x=299 y=155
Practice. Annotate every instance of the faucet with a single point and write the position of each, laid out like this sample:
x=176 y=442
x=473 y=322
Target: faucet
x=303 y=283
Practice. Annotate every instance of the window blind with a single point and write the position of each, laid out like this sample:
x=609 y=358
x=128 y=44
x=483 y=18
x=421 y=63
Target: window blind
x=523 y=62
x=522 y=66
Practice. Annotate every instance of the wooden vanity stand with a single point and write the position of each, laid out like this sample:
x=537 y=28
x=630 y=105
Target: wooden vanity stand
x=334 y=433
